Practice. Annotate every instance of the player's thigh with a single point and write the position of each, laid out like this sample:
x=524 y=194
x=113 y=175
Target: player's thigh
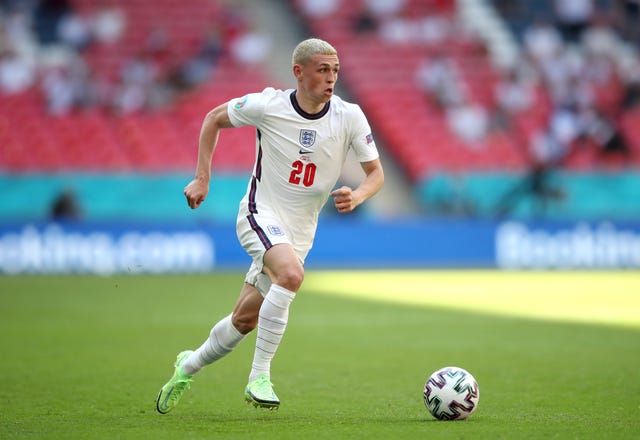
x=245 y=313
x=265 y=239
x=283 y=266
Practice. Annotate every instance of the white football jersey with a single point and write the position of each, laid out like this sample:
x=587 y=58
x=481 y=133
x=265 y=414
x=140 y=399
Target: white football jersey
x=299 y=156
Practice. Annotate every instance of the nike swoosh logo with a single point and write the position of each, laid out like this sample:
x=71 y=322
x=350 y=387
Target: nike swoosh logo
x=163 y=405
x=305 y=152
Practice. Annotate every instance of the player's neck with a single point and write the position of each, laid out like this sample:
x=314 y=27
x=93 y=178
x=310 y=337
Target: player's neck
x=308 y=104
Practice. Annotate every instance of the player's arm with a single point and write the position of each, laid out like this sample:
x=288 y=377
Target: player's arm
x=346 y=199
x=196 y=191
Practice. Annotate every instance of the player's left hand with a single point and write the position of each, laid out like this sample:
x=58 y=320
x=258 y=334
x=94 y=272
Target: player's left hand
x=344 y=199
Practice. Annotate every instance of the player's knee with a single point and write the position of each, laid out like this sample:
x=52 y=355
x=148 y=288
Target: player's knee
x=291 y=278
x=244 y=322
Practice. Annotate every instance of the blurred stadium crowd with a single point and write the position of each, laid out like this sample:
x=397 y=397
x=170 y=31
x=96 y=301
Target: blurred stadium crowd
x=118 y=84
x=481 y=103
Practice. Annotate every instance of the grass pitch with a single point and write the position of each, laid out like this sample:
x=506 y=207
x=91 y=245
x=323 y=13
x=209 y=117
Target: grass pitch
x=556 y=355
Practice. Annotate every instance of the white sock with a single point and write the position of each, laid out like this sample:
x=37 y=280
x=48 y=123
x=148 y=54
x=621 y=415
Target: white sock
x=223 y=338
x=272 y=322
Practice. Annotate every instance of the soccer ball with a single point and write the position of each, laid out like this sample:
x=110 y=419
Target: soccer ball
x=451 y=393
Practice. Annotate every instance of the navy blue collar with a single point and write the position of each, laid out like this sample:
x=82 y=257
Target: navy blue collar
x=298 y=109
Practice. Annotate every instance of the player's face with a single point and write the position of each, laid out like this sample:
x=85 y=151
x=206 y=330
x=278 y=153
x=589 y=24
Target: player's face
x=317 y=78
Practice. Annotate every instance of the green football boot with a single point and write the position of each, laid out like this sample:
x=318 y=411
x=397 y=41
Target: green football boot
x=172 y=391
x=260 y=393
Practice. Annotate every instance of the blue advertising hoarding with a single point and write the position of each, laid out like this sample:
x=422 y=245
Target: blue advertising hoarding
x=344 y=243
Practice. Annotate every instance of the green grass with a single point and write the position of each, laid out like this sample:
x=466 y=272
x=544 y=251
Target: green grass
x=84 y=357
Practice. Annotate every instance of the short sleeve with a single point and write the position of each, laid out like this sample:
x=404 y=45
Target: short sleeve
x=249 y=109
x=362 y=142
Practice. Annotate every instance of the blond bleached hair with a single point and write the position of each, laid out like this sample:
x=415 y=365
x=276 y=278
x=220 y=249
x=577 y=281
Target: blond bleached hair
x=306 y=49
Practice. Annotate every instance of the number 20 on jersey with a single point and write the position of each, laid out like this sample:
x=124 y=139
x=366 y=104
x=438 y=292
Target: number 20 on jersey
x=302 y=173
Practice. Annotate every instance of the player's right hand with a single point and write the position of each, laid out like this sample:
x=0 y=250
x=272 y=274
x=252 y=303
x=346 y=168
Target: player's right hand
x=196 y=192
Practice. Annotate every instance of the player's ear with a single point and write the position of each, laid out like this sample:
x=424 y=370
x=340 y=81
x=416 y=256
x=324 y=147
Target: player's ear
x=297 y=71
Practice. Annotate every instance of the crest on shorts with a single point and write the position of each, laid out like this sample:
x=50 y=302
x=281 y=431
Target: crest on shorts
x=307 y=138
x=275 y=230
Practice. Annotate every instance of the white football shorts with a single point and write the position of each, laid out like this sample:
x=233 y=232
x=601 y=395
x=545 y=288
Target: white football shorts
x=257 y=233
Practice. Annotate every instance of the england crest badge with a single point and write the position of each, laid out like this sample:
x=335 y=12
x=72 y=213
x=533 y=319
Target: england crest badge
x=307 y=138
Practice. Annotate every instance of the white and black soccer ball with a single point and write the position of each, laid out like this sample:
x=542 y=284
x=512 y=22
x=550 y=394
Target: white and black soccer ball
x=451 y=393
